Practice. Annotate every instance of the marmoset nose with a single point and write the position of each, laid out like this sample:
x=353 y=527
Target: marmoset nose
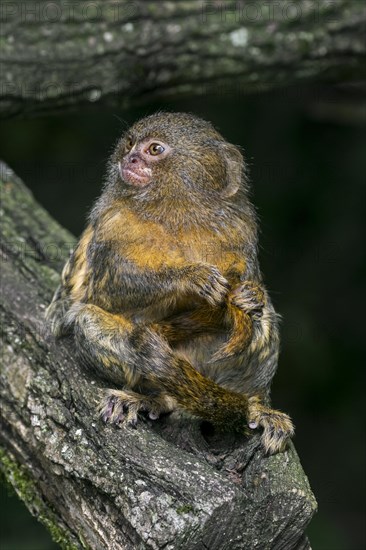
x=133 y=159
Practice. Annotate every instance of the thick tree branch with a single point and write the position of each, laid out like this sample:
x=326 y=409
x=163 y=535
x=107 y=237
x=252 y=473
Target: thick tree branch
x=165 y=485
x=64 y=54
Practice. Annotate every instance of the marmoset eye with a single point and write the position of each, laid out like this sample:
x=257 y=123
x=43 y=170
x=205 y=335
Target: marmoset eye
x=156 y=149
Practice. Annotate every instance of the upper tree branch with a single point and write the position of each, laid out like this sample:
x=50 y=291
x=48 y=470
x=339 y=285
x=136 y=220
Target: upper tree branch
x=64 y=54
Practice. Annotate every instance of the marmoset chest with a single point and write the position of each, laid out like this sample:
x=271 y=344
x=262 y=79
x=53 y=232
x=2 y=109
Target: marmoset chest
x=149 y=245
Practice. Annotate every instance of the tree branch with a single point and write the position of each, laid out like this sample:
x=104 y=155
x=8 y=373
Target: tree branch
x=63 y=54
x=168 y=484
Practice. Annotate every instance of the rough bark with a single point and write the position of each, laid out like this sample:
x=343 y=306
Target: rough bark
x=64 y=54
x=168 y=484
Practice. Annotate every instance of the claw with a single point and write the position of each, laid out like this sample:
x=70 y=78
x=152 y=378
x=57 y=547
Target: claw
x=277 y=426
x=121 y=407
x=250 y=298
x=253 y=425
x=107 y=413
x=111 y=409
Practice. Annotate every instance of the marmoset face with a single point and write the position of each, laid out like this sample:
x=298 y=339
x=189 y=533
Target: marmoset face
x=179 y=153
x=140 y=157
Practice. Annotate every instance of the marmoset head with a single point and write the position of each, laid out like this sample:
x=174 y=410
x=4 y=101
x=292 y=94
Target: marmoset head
x=179 y=152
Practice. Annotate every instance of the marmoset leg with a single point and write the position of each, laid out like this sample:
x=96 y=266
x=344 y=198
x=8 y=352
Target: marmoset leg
x=112 y=343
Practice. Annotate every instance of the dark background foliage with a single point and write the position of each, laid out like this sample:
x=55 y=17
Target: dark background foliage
x=306 y=151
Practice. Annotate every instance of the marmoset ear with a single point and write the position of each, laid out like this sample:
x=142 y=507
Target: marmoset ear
x=235 y=170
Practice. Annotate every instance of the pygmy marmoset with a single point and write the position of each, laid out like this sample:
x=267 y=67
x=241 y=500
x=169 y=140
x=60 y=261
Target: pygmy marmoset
x=163 y=294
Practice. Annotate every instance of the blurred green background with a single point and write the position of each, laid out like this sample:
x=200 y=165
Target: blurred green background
x=306 y=150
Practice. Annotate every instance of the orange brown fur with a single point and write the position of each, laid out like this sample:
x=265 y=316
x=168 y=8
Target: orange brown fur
x=163 y=293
